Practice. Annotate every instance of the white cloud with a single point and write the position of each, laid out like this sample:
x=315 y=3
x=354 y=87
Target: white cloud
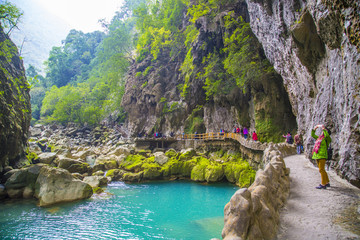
x=82 y=14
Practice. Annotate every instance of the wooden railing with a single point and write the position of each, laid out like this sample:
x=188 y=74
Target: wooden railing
x=209 y=136
x=249 y=143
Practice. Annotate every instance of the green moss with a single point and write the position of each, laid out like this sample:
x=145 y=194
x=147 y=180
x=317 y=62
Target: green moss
x=171 y=153
x=214 y=173
x=98 y=190
x=152 y=173
x=239 y=172
x=132 y=163
x=198 y=173
x=111 y=173
x=187 y=155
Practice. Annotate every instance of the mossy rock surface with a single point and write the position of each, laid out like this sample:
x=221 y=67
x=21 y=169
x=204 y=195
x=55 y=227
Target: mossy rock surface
x=115 y=174
x=110 y=164
x=198 y=173
x=133 y=177
x=214 y=173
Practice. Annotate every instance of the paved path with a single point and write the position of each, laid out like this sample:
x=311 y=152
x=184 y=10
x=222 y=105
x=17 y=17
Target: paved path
x=318 y=214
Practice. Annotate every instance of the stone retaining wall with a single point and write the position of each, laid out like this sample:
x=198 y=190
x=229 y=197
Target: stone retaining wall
x=253 y=213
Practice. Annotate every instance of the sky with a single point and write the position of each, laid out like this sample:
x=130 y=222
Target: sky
x=82 y=14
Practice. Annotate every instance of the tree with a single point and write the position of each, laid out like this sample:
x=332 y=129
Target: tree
x=9 y=16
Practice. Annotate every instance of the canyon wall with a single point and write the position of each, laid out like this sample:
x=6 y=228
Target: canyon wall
x=314 y=46
x=15 y=111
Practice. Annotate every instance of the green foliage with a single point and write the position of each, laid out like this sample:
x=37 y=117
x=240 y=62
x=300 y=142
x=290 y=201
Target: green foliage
x=8 y=50
x=187 y=68
x=158 y=23
x=9 y=16
x=72 y=61
x=243 y=60
x=195 y=122
x=217 y=81
x=88 y=72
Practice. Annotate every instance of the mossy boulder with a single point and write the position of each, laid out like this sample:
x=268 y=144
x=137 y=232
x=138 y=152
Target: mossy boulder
x=240 y=173
x=74 y=166
x=110 y=164
x=214 y=173
x=171 y=153
x=152 y=173
x=115 y=174
x=198 y=173
x=161 y=158
x=133 y=163
x=187 y=154
x=133 y=177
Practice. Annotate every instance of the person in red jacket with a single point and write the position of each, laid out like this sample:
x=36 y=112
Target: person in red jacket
x=254 y=136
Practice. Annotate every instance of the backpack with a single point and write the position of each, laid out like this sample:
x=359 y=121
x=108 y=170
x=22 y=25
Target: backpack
x=289 y=139
x=329 y=152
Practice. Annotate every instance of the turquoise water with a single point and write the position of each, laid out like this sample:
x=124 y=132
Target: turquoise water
x=160 y=210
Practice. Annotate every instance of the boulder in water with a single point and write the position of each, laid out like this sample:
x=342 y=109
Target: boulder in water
x=56 y=185
x=96 y=181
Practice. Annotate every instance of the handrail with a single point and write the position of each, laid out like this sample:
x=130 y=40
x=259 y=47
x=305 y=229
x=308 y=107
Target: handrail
x=256 y=145
x=209 y=136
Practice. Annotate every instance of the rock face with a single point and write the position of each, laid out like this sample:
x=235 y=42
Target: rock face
x=314 y=46
x=55 y=185
x=155 y=102
x=15 y=111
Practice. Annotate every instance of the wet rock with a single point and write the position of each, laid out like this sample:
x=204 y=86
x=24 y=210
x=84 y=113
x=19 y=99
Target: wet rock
x=133 y=177
x=115 y=174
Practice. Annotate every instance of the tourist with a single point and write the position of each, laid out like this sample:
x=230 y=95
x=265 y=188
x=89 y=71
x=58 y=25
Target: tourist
x=298 y=143
x=289 y=139
x=234 y=130
x=246 y=132
x=221 y=132
x=254 y=136
x=320 y=153
x=238 y=130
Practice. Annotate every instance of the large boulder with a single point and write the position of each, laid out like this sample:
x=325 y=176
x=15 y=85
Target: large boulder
x=56 y=185
x=133 y=177
x=115 y=174
x=96 y=181
x=160 y=158
x=74 y=166
x=20 y=178
x=47 y=157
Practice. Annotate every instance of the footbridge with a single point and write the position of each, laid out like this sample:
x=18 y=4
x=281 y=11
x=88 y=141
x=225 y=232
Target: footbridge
x=152 y=143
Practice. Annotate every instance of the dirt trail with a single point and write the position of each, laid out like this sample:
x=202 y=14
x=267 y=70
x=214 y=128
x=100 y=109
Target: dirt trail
x=318 y=214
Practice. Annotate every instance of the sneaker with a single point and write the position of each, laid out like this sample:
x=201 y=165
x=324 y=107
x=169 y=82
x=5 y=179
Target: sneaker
x=327 y=185
x=321 y=187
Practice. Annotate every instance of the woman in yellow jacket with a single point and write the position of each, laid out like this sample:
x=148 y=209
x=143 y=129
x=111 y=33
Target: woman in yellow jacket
x=320 y=154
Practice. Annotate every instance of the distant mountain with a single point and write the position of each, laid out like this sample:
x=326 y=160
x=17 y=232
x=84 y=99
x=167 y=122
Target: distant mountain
x=38 y=32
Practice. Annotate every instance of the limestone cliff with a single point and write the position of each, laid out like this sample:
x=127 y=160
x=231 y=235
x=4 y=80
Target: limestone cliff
x=314 y=46
x=15 y=111
x=154 y=98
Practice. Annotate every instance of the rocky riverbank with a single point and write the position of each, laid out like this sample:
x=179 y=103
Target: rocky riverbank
x=79 y=162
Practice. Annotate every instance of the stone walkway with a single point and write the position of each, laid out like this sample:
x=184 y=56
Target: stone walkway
x=311 y=213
